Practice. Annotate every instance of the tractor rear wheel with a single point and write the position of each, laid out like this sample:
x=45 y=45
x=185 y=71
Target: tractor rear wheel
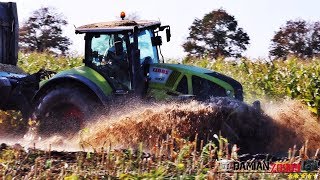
x=64 y=110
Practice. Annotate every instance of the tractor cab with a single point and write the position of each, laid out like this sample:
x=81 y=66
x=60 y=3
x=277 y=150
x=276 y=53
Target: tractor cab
x=121 y=50
x=125 y=54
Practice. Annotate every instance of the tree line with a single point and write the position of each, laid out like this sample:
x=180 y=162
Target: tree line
x=216 y=35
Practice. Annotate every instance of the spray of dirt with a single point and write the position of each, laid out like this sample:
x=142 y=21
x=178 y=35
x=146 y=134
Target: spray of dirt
x=295 y=125
x=281 y=126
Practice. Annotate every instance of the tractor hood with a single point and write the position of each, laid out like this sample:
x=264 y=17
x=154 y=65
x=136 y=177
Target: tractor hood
x=170 y=74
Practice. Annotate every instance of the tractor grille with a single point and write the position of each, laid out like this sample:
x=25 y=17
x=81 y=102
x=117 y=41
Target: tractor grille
x=172 y=79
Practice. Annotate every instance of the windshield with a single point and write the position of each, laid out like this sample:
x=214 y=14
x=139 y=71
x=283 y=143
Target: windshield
x=146 y=47
x=104 y=43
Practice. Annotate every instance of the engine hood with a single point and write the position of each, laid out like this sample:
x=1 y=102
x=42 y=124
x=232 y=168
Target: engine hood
x=169 y=73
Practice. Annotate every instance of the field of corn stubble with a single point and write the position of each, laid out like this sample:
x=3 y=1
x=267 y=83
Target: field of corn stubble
x=158 y=145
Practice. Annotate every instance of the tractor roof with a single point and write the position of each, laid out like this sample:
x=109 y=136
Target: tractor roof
x=116 y=26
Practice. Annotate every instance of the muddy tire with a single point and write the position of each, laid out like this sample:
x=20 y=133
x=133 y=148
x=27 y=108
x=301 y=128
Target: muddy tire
x=64 y=110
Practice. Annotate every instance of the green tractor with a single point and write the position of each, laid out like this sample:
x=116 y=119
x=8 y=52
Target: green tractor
x=122 y=60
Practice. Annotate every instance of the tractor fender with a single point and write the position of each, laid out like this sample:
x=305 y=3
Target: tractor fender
x=73 y=78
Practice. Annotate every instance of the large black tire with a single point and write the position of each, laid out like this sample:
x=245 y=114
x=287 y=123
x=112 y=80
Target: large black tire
x=64 y=110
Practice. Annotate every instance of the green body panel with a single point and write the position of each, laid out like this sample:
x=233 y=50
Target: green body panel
x=197 y=71
x=88 y=73
x=160 y=89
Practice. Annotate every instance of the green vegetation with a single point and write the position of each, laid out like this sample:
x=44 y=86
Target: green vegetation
x=43 y=32
x=217 y=34
x=278 y=79
x=297 y=37
x=33 y=62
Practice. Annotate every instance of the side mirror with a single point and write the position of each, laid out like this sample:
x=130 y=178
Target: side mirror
x=168 y=34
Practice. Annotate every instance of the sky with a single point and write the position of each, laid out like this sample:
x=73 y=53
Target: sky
x=259 y=18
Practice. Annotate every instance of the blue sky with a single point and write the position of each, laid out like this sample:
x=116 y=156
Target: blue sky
x=259 y=18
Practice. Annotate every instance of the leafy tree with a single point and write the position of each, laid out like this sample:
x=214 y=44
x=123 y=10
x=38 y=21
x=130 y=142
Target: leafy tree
x=217 y=34
x=297 y=38
x=43 y=32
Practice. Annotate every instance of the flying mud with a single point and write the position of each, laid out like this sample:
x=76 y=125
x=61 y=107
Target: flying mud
x=276 y=128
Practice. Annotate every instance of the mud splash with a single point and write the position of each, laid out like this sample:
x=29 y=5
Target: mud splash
x=282 y=125
x=294 y=125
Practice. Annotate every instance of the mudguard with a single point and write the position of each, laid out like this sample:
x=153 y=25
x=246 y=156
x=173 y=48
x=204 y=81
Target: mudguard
x=84 y=75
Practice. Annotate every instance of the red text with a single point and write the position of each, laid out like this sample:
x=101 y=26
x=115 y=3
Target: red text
x=158 y=70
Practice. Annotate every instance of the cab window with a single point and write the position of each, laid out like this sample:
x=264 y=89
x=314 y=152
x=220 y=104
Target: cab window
x=109 y=57
x=147 y=50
